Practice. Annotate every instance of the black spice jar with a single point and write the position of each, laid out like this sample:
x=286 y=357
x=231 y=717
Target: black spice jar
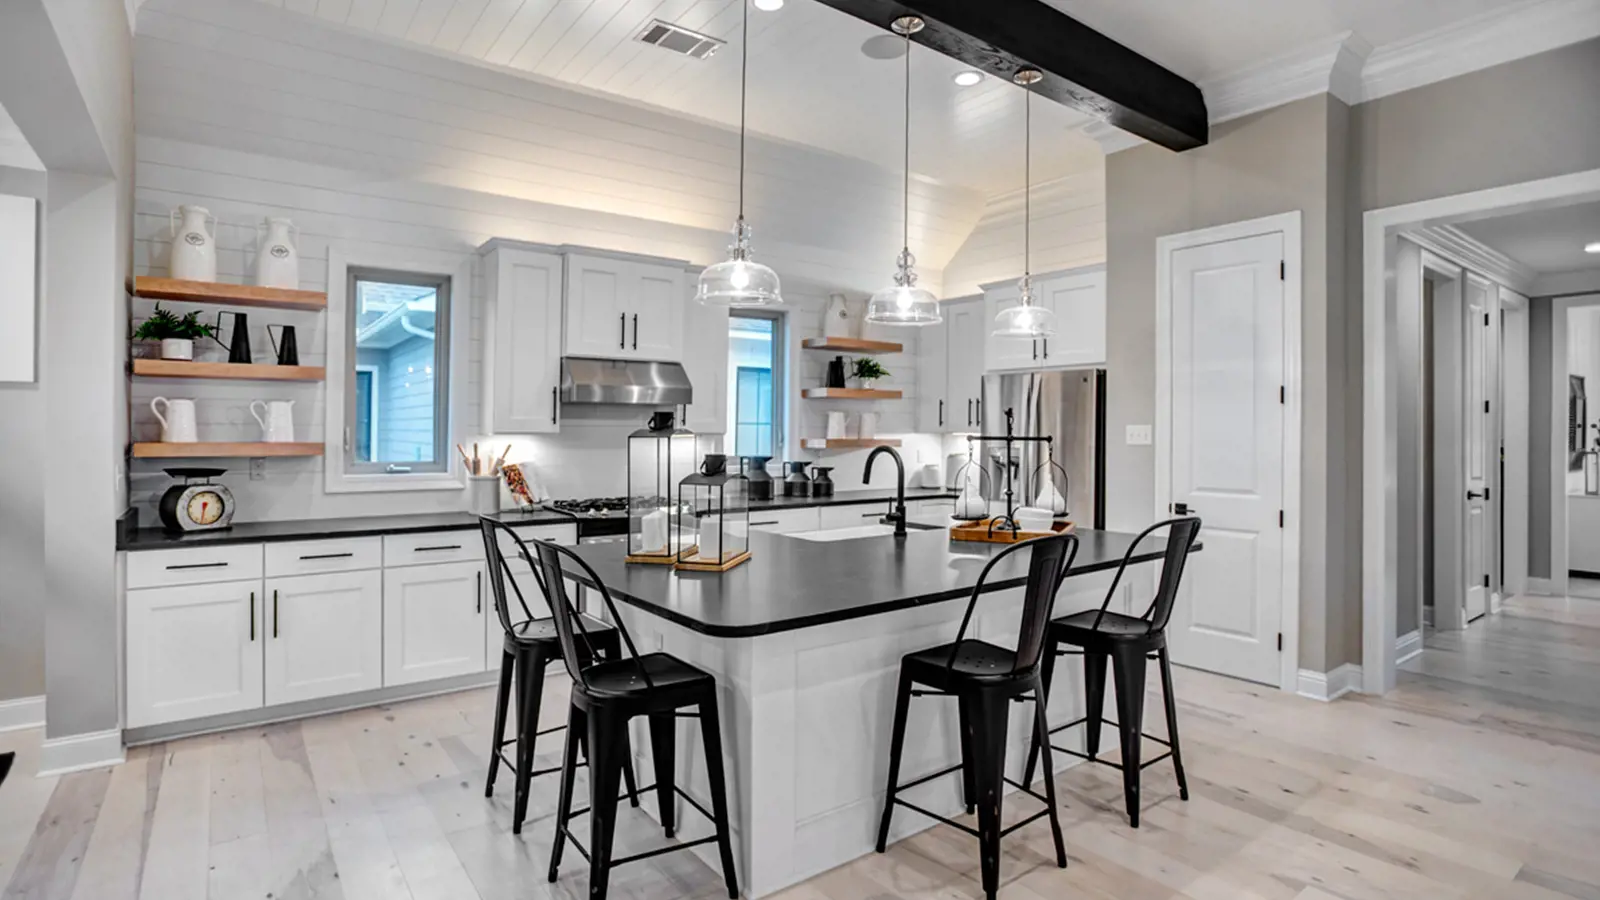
x=797 y=484
x=821 y=481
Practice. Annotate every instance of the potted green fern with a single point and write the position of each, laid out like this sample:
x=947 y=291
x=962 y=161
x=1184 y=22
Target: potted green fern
x=176 y=334
x=867 y=370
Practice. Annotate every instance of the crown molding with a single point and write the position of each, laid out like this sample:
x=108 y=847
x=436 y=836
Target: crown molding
x=1332 y=66
x=1471 y=253
x=1482 y=41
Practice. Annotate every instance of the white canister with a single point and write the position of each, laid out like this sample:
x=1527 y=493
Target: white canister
x=194 y=245
x=278 y=262
x=177 y=424
x=869 y=426
x=483 y=494
x=277 y=425
x=836 y=422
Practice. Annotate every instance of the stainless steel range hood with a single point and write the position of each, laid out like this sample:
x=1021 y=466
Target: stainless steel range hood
x=585 y=380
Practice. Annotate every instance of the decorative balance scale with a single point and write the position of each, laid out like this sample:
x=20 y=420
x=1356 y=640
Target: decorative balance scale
x=1003 y=529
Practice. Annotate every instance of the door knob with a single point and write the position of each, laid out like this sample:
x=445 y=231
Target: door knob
x=1477 y=495
x=1184 y=509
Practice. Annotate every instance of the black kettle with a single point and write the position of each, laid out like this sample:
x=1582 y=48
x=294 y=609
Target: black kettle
x=760 y=480
x=797 y=484
x=821 y=481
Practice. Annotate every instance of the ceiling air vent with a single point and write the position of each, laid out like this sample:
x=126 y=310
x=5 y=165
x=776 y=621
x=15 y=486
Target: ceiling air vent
x=679 y=39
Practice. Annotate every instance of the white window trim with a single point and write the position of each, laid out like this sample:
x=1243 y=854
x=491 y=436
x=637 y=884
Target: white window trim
x=372 y=421
x=336 y=479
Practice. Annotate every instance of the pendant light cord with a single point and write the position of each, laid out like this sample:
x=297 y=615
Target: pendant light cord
x=1027 y=182
x=906 y=211
x=744 y=78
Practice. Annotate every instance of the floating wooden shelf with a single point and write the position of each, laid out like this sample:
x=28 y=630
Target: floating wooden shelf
x=175 y=368
x=852 y=345
x=228 y=294
x=848 y=443
x=204 y=450
x=849 y=394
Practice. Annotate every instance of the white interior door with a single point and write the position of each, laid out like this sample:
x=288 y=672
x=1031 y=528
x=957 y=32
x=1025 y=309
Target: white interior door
x=1226 y=431
x=1477 y=445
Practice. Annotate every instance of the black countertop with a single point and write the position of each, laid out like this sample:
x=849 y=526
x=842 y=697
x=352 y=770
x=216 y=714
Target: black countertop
x=368 y=526
x=792 y=583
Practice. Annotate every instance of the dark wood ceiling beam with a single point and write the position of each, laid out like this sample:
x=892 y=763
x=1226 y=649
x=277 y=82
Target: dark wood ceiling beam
x=1083 y=68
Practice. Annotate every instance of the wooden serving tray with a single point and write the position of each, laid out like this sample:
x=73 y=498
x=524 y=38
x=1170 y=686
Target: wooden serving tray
x=979 y=531
x=658 y=559
x=725 y=565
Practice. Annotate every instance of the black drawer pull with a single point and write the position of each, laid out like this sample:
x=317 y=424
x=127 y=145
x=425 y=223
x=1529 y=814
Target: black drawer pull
x=773 y=522
x=329 y=556
x=439 y=547
x=198 y=566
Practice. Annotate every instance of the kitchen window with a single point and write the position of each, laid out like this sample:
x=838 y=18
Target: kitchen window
x=397 y=350
x=755 y=373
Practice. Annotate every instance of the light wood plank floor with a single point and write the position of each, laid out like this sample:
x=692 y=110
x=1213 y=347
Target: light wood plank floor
x=1478 y=779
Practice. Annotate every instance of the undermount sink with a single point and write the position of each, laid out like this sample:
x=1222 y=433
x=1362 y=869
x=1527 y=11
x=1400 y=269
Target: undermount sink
x=859 y=531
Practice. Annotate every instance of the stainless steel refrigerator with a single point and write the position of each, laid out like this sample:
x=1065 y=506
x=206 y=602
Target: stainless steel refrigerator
x=1069 y=406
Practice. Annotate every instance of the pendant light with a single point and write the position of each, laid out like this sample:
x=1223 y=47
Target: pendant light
x=904 y=303
x=1027 y=319
x=740 y=281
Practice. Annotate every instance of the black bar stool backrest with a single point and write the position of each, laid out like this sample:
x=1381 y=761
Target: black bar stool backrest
x=1051 y=557
x=552 y=559
x=500 y=572
x=1180 y=541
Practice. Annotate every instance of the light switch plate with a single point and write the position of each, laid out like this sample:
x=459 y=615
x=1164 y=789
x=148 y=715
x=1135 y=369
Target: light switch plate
x=1139 y=436
x=258 y=468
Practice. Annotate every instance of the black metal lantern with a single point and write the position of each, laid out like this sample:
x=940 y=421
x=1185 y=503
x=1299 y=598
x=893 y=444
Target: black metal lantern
x=716 y=505
x=658 y=456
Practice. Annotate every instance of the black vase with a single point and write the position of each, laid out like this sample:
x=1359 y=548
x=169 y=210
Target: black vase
x=821 y=481
x=797 y=484
x=835 y=377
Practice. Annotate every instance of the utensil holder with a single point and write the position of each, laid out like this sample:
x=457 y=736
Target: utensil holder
x=483 y=494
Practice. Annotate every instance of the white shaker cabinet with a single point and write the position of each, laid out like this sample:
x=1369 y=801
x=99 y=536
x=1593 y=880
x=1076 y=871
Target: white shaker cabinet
x=433 y=621
x=194 y=650
x=950 y=369
x=624 y=309
x=933 y=373
x=324 y=635
x=1078 y=298
x=521 y=340
x=705 y=359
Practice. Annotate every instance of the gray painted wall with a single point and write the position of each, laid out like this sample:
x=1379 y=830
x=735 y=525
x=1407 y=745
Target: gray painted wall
x=1285 y=159
x=21 y=510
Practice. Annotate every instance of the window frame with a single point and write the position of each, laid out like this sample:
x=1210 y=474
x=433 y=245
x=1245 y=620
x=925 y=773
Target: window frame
x=780 y=381
x=452 y=329
x=372 y=416
x=738 y=423
x=444 y=306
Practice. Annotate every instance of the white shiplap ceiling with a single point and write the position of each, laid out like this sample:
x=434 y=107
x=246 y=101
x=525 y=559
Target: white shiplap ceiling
x=810 y=83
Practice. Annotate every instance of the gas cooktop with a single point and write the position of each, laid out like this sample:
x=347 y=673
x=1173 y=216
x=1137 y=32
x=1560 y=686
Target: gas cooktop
x=594 y=507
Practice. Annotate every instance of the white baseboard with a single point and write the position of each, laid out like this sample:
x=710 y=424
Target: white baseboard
x=1407 y=647
x=95 y=750
x=23 y=712
x=1542 y=586
x=1330 y=686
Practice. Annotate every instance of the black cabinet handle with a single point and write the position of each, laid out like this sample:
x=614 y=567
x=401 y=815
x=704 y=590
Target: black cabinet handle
x=635 y=331
x=1046 y=348
x=274 y=614
x=773 y=522
x=219 y=565
x=969 y=412
x=252 y=617
x=622 y=331
x=979 y=403
x=479 y=591
x=554 y=403
x=941 y=413
x=1036 y=350
x=439 y=547
x=329 y=556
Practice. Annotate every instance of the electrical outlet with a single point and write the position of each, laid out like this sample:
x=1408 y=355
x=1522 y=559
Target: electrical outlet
x=1139 y=436
x=258 y=468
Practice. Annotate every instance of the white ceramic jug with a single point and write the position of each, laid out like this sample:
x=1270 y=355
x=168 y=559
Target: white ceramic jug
x=278 y=263
x=836 y=320
x=194 y=246
x=278 y=425
x=177 y=426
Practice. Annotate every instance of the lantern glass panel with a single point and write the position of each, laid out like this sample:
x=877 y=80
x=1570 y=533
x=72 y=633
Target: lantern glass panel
x=657 y=460
x=720 y=509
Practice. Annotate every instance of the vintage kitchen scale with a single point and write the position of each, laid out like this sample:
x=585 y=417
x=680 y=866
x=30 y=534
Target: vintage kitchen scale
x=1005 y=529
x=196 y=504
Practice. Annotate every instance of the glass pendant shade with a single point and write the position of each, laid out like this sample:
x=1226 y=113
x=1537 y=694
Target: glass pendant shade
x=904 y=303
x=1027 y=319
x=740 y=281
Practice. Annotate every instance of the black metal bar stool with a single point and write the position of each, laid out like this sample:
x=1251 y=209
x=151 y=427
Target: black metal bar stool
x=530 y=646
x=606 y=695
x=984 y=679
x=1128 y=642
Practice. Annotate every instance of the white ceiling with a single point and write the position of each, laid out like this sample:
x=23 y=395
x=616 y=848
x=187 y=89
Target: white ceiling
x=1202 y=39
x=810 y=83
x=1544 y=240
x=14 y=148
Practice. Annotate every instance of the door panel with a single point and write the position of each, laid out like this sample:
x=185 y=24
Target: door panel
x=524 y=332
x=1006 y=352
x=1079 y=302
x=193 y=651
x=324 y=635
x=433 y=622
x=655 y=313
x=1478 y=438
x=968 y=329
x=597 y=308
x=1226 y=433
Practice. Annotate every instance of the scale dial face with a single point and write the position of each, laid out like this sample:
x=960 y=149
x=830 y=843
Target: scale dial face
x=204 y=507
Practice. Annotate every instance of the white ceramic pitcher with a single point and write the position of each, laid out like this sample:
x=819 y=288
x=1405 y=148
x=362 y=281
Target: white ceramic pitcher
x=194 y=246
x=278 y=424
x=278 y=263
x=177 y=425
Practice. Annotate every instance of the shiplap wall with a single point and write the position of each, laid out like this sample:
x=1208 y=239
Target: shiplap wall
x=1069 y=230
x=251 y=112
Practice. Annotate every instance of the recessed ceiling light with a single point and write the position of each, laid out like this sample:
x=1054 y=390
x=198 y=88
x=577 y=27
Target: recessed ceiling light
x=968 y=78
x=1592 y=248
x=769 y=5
